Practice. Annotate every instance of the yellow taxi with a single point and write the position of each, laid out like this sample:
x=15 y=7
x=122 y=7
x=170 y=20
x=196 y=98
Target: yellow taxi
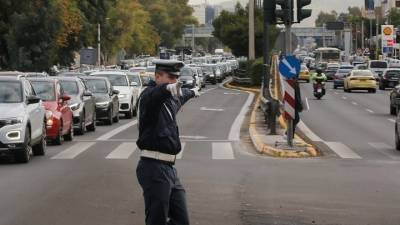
x=304 y=73
x=360 y=80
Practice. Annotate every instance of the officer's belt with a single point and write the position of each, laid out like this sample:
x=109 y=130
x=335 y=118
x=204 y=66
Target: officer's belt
x=158 y=155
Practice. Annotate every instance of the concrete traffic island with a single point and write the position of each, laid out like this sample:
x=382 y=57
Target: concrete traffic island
x=274 y=145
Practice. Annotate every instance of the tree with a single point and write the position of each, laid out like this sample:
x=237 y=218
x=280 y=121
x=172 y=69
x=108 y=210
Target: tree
x=394 y=17
x=324 y=17
x=231 y=28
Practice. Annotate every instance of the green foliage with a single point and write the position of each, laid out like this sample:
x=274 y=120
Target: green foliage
x=394 y=17
x=231 y=28
x=256 y=71
x=324 y=17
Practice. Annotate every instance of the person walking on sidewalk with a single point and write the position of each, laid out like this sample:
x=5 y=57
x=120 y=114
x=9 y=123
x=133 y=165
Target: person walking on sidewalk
x=159 y=143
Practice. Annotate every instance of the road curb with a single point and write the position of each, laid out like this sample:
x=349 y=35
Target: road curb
x=263 y=148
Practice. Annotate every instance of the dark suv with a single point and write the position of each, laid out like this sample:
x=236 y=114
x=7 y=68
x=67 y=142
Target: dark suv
x=82 y=104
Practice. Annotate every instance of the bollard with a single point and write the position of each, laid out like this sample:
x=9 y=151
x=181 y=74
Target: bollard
x=273 y=115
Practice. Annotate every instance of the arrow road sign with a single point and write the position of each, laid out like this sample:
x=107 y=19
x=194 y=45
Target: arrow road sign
x=289 y=67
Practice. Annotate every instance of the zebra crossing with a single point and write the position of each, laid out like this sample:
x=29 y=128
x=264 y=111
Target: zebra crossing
x=126 y=150
x=345 y=152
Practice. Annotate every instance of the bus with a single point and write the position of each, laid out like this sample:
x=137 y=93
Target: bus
x=323 y=56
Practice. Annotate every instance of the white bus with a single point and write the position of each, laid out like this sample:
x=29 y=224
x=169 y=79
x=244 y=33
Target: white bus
x=324 y=56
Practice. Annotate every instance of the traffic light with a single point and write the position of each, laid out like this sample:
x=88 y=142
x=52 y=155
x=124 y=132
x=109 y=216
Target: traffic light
x=303 y=13
x=282 y=15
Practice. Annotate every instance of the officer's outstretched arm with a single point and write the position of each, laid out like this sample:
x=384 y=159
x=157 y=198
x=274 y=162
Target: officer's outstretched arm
x=186 y=95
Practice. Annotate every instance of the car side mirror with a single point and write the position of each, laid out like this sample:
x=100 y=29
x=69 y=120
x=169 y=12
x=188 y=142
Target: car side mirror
x=32 y=99
x=65 y=98
x=115 y=92
x=133 y=83
x=87 y=94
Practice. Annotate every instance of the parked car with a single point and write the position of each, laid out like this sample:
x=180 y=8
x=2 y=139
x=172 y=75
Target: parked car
x=188 y=77
x=360 y=80
x=82 y=104
x=59 y=116
x=340 y=75
x=107 y=102
x=331 y=70
x=394 y=100
x=390 y=78
x=304 y=73
x=128 y=94
x=22 y=120
x=136 y=82
x=377 y=67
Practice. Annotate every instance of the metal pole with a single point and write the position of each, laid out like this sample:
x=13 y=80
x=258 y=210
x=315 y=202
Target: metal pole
x=377 y=40
x=288 y=50
x=193 y=40
x=251 y=31
x=356 y=47
x=370 y=35
x=362 y=35
x=323 y=36
x=98 y=45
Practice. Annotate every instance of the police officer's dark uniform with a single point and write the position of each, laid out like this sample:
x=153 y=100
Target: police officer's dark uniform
x=164 y=195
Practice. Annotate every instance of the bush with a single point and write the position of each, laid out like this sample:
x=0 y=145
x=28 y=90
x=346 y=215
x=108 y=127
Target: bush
x=256 y=71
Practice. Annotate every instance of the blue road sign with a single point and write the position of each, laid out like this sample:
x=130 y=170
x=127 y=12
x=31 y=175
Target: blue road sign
x=289 y=67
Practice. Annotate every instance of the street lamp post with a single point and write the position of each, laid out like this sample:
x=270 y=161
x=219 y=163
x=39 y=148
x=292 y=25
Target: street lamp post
x=98 y=45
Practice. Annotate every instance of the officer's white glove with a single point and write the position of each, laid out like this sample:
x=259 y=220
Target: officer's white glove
x=196 y=92
x=175 y=89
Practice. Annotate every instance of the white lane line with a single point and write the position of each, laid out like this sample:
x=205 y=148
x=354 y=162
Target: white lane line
x=342 y=150
x=211 y=109
x=231 y=93
x=344 y=97
x=74 y=150
x=308 y=105
x=336 y=93
x=385 y=149
x=211 y=89
x=307 y=132
x=392 y=120
x=234 y=133
x=180 y=155
x=354 y=103
x=117 y=130
x=123 y=151
x=370 y=111
x=222 y=151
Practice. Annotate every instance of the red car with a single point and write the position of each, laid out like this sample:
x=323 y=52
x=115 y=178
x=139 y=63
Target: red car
x=58 y=114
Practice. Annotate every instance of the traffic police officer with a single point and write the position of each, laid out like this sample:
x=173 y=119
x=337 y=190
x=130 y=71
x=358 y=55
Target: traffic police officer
x=164 y=195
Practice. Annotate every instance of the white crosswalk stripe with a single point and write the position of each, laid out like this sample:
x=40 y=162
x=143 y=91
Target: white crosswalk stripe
x=123 y=151
x=342 y=150
x=222 y=150
x=180 y=155
x=74 y=150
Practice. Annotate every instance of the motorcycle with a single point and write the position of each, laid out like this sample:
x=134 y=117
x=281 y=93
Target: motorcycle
x=319 y=88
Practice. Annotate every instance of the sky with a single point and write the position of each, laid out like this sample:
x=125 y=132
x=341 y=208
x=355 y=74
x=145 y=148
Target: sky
x=316 y=5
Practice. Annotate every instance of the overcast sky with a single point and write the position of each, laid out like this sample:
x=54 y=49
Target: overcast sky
x=316 y=5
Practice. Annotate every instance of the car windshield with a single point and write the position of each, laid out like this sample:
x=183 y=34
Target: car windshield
x=151 y=69
x=116 y=80
x=363 y=73
x=379 y=64
x=395 y=73
x=186 y=72
x=70 y=87
x=343 y=71
x=208 y=69
x=10 y=92
x=346 y=67
x=45 y=90
x=97 y=86
x=134 y=78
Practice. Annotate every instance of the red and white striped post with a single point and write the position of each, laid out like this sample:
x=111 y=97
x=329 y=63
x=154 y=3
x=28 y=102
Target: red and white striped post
x=289 y=106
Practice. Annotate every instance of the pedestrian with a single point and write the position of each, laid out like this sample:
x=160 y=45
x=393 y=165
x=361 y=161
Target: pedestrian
x=298 y=105
x=164 y=195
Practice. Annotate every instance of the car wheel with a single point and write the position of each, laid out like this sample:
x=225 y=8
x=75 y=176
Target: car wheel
x=40 y=148
x=116 y=118
x=70 y=135
x=92 y=126
x=397 y=139
x=134 y=113
x=24 y=155
x=334 y=87
x=82 y=127
x=381 y=87
x=392 y=110
x=58 y=139
x=109 y=120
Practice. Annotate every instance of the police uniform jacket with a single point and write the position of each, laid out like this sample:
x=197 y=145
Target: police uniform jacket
x=158 y=130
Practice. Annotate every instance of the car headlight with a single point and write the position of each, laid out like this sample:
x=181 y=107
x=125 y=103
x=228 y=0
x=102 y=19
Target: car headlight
x=211 y=75
x=75 y=106
x=189 y=81
x=12 y=121
x=102 y=104
x=122 y=96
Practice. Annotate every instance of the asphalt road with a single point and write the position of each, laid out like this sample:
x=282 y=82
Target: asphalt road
x=92 y=180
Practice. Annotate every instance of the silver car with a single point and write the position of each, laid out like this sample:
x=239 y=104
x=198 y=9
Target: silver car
x=22 y=119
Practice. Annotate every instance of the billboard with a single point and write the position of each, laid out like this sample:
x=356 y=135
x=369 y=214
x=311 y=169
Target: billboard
x=369 y=5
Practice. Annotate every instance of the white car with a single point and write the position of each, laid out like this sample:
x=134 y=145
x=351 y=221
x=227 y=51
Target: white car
x=22 y=119
x=377 y=67
x=128 y=92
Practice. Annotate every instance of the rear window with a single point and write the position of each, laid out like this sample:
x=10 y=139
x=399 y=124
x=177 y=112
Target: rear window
x=379 y=64
x=362 y=73
x=186 y=72
x=45 y=90
x=393 y=73
x=344 y=71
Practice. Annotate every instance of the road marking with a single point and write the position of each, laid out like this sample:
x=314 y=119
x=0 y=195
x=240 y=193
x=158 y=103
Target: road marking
x=74 y=150
x=392 y=120
x=123 y=151
x=231 y=93
x=385 y=149
x=308 y=132
x=370 y=111
x=117 y=130
x=336 y=93
x=211 y=109
x=222 y=151
x=344 y=97
x=203 y=92
x=180 y=155
x=342 y=150
x=354 y=103
x=193 y=137
x=308 y=105
x=234 y=133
